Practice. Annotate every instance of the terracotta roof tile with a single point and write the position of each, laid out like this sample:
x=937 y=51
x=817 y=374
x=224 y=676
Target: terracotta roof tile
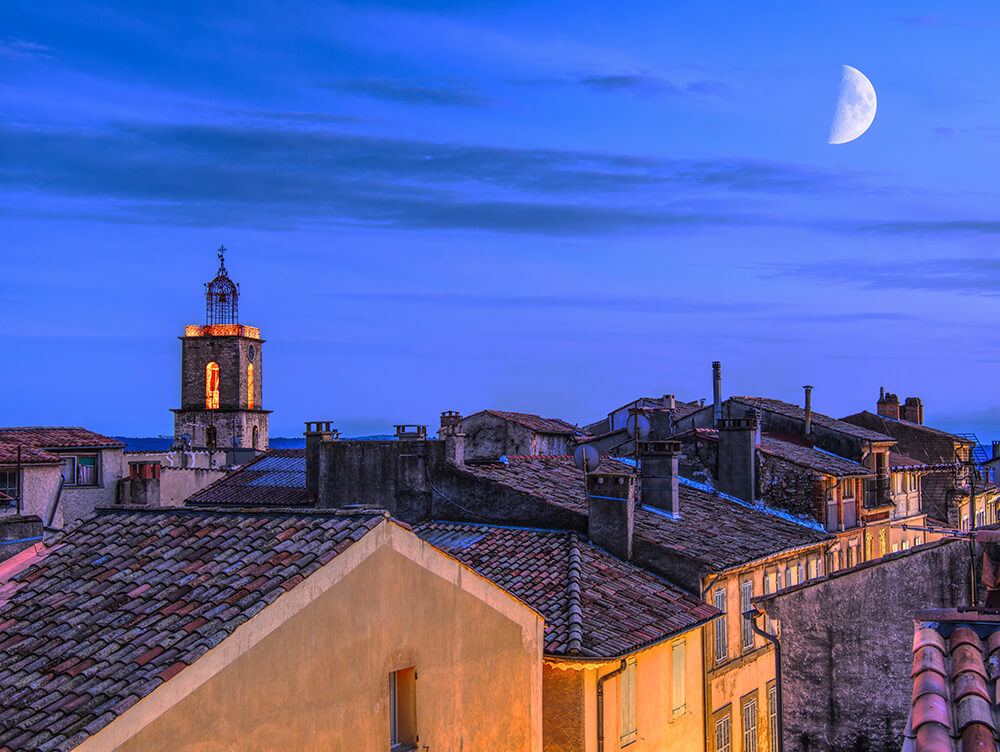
x=712 y=529
x=594 y=604
x=276 y=478
x=536 y=423
x=129 y=622
x=795 y=411
x=56 y=438
x=799 y=453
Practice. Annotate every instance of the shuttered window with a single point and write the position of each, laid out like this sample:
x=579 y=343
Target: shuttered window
x=750 y=726
x=746 y=595
x=720 y=627
x=626 y=703
x=722 y=742
x=677 y=667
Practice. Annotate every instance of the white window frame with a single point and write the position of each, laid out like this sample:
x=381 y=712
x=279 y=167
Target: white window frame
x=723 y=734
x=746 y=598
x=750 y=725
x=721 y=646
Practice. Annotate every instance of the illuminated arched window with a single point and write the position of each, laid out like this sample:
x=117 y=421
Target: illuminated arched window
x=212 y=386
x=250 y=386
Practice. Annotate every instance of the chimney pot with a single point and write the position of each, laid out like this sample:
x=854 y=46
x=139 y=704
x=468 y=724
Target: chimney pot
x=809 y=410
x=716 y=391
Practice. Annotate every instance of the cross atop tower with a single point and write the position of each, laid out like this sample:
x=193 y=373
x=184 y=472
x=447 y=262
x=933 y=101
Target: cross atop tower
x=222 y=261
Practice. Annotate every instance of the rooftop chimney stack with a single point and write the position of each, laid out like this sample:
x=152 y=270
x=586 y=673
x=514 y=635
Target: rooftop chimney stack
x=410 y=432
x=316 y=431
x=611 y=512
x=809 y=410
x=670 y=401
x=659 y=485
x=737 y=471
x=449 y=418
x=454 y=448
x=888 y=404
x=996 y=449
x=912 y=410
x=717 y=391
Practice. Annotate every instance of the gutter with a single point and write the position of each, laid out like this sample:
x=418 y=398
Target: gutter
x=600 y=703
x=752 y=616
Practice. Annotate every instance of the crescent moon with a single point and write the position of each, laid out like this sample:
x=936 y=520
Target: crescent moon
x=855 y=107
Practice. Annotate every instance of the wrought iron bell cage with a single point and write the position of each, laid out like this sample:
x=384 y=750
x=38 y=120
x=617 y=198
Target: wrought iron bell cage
x=222 y=297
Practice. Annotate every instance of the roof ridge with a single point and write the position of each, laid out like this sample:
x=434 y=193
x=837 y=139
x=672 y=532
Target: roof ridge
x=574 y=609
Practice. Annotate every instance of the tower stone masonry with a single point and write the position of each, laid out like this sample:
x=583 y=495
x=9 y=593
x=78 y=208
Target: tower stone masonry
x=221 y=375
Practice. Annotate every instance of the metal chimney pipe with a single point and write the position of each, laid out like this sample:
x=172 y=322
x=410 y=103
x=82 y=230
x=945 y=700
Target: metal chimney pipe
x=809 y=409
x=716 y=391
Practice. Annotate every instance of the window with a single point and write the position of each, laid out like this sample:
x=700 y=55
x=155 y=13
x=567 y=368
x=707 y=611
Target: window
x=750 y=725
x=211 y=438
x=847 y=488
x=746 y=594
x=403 y=709
x=250 y=386
x=8 y=486
x=832 y=515
x=722 y=741
x=80 y=471
x=851 y=555
x=799 y=572
x=767 y=591
x=212 y=386
x=913 y=481
x=256 y=437
x=677 y=661
x=720 y=627
x=772 y=713
x=980 y=518
x=626 y=703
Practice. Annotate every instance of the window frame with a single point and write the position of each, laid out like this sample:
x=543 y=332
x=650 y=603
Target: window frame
x=750 y=732
x=772 y=715
x=723 y=725
x=678 y=677
x=403 y=709
x=746 y=599
x=74 y=480
x=721 y=638
x=13 y=491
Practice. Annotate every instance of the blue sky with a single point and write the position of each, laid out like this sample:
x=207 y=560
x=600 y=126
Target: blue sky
x=551 y=207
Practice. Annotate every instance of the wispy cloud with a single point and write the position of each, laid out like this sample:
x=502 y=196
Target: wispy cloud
x=18 y=49
x=436 y=93
x=934 y=227
x=968 y=276
x=650 y=84
x=289 y=177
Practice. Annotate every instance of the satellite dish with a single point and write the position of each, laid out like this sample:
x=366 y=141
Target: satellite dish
x=637 y=426
x=586 y=458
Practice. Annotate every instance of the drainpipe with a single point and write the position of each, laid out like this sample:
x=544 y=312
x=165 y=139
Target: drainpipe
x=55 y=502
x=600 y=703
x=752 y=615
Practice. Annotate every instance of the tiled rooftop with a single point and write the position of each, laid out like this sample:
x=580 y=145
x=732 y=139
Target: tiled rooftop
x=901 y=461
x=956 y=663
x=780 y=445
x=594 y=604
x=537 y=423
x=926 y=444
x=28 y=455
x=56 y=438
x=128 y=600
x=277 y=478
x=795 y=411
x=714 y=529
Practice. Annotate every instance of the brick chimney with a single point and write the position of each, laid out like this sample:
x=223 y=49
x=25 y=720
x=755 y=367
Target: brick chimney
x=737 y=471
x=888 y=405
x=611 y=511
x=449 y=418
x=912 y=410
x=315 y=432
x=716 y=392
x=142 y=485
x=410 y=432
x=659 y=485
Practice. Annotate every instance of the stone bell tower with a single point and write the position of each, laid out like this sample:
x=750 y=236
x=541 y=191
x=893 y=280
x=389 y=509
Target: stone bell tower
x=221 y=375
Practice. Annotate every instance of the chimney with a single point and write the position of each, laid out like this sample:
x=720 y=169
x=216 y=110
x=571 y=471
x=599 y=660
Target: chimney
x=454 y=448
x=737 y=471
x=809 y=410
x=410 y=432
x=912 y=410
x=611 y=512
x=143 y=484
x=888 y=404
x=996 y=449
x=448 y=419
x=669 y=401
x=315 y=432
x=659 y=486
x=716 y=391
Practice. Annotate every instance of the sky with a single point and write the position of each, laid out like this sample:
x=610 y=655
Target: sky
x=548 y=207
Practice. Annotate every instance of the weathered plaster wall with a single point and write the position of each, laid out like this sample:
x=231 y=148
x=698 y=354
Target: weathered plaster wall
x=563 y=709
x=179 y=483
x=320 y=681
x=788 y=486
x=77 y=502
x=18 y=532
x=38 y=489
x=846 y=644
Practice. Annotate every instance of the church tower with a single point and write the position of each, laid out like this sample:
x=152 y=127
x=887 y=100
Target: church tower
x=221 y=375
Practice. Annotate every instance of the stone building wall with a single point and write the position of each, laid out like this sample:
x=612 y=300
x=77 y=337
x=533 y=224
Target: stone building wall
x=846 y=646
x=785 y=485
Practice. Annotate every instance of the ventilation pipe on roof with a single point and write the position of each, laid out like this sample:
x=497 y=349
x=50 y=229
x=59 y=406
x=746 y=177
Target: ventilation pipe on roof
x=809 y=409
x=716 y=392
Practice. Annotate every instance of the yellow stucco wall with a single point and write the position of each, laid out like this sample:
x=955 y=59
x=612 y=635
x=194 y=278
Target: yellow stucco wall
x=320 y=679
x=570 y=699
